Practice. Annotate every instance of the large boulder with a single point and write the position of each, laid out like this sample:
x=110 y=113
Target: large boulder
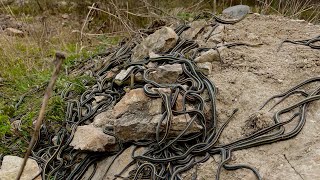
x=236 y=11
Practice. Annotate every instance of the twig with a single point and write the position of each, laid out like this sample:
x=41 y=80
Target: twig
x=58 y=62
x=129 y=28
x=84 y=24
x=115 y=16
x=293 y=167
x=156 y=8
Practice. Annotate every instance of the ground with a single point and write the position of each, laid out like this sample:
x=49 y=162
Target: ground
x=248 y=77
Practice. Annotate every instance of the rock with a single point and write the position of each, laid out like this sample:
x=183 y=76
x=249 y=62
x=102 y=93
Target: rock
x=138 y=77
x=7 y=21
x=104 y=119
x=62 y=3
x=110 y=75
x=155 y=106
x=153 y=55
x=16 y=125
x=179 y=123
x=179 y=104
x=65 y=16
x=99 y=98
x=116 y=166
x=134 y=97
x=236 y=11
x=160 y=41
x=89 y=138
x=205 y=67
x=121 y=77
x=195 y=28
x=208 y=56
x=217 y=35
x=257 y=121
x=166 y=74
x=11 y=166
x=151 y=65
x=14 y=32
x=144 y=127
x=135 y=127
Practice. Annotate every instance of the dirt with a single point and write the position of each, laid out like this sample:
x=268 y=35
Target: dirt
x=248 y=77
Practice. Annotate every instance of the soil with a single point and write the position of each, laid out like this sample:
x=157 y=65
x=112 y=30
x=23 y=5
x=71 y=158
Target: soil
x=251 y=75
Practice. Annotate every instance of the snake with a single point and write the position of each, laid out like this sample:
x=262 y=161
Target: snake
x=167 y=156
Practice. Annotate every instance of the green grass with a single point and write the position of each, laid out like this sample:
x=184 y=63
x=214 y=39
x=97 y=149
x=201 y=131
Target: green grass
x=26 y=65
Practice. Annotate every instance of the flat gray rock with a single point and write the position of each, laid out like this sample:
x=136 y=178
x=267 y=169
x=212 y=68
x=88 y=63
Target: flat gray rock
x=236 y=11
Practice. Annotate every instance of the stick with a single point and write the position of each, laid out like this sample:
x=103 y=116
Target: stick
x=58 y=62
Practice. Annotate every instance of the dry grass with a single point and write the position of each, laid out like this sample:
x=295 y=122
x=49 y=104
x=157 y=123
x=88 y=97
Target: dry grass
x=302 y=9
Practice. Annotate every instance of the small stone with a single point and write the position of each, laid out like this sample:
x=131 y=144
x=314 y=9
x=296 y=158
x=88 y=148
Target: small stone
x=65 y=16
x=208 y=56
x=237 y=11
x=99 y=98
x=110 y=75
x=151 y=65
x=153 y=55
x=160 y=41
x=205 y=67
x=16 y=125
x=55 y=140
x=90 y=138
x=257 y=121
x=62 y=3
x=14 y=32
x=11 y=166
x=138 y=77
x=120 y=78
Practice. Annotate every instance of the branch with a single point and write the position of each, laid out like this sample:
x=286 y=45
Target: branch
x=58 y=62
